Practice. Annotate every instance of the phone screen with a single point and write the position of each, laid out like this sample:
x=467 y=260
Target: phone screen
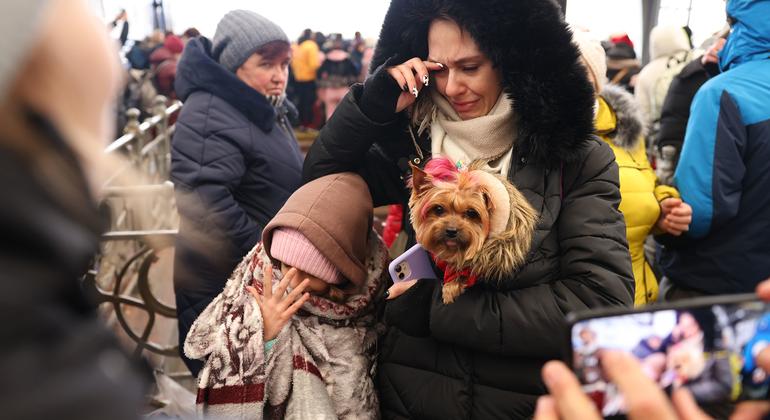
x=708 y=349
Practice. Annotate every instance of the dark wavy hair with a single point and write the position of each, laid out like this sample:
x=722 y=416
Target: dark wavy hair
x=273 y=50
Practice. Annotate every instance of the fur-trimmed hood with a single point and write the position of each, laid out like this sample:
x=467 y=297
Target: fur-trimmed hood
x=629 y=126
x=503 y=254
x=528 y=39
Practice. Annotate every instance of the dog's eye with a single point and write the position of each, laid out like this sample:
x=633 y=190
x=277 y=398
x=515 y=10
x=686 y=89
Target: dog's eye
x=472 y=214
x=438 y=210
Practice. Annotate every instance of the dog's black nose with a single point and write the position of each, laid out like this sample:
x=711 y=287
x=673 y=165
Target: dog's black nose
x=451 y=232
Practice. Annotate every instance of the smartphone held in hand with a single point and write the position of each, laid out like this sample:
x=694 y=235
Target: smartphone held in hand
x=707 y=345
x=413 y=264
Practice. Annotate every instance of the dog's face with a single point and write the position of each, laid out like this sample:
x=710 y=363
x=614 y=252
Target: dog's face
x=451 y=218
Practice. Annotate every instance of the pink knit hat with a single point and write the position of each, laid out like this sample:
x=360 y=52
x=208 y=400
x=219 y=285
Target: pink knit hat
x=292 y=248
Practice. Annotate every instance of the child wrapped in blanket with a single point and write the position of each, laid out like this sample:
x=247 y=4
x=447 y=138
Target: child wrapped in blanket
x=299 y=342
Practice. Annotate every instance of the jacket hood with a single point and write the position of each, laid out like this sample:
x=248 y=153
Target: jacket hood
x=505 y=253
x=197 y=70
x=529 y=41
x=667 y=40
x=749 y=38
x=334 y=213
x=628 y=129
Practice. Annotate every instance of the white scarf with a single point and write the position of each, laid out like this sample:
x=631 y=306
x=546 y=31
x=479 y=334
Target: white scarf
x=487 y=137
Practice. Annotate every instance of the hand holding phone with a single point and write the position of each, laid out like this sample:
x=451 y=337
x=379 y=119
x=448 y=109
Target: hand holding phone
x=413 y=264
x=700 y=345
x=645 y=400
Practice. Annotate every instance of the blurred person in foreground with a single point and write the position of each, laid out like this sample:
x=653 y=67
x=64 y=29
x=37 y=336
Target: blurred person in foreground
x=644 y=399
x=59 y=72
x=235 y=159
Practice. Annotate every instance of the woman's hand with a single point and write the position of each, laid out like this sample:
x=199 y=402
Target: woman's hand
x=412 y=75
x=644 y=399
x=675 y=216
x=276 y=308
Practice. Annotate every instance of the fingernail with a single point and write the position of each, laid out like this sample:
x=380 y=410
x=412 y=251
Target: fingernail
x=425 y=80
x=415 y=92
x=387 y=294
x=405 y=88
x=441 y=65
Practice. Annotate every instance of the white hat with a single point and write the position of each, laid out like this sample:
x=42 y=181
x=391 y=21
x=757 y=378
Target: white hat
x=593 y=56
x=19 y=24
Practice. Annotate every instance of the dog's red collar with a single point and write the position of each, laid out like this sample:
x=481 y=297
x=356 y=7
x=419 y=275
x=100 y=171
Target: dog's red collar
x=451 y=274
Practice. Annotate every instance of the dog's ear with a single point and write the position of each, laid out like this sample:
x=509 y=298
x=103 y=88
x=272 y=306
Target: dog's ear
x=420 y=181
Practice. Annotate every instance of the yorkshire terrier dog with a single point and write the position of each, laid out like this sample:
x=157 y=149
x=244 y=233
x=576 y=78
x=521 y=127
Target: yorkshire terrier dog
x=476 y=225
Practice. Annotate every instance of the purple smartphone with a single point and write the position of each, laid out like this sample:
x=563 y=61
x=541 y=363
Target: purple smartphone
x=413 y=264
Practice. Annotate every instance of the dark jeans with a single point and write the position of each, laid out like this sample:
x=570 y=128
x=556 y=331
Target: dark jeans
x=306 y=95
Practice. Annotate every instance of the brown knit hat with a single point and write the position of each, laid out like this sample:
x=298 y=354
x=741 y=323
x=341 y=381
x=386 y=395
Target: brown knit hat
x=334 y=213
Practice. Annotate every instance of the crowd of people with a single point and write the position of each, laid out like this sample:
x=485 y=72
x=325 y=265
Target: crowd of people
x=285 y=307
x=323 y=67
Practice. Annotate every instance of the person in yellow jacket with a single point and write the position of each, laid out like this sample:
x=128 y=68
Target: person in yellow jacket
x=304 y=65
x=647 y=206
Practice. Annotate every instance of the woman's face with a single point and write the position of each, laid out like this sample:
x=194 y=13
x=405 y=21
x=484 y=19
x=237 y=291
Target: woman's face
x=468 y=81
x=268 y=77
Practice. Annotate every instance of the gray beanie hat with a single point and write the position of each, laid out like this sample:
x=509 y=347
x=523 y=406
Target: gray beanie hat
x=239 y=34
x=19 y=25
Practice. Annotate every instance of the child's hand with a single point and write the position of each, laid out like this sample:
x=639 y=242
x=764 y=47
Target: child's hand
x=278 y=309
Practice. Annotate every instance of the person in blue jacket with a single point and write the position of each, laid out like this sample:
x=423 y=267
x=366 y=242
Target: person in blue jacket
x=724 y=168
x=235 y=159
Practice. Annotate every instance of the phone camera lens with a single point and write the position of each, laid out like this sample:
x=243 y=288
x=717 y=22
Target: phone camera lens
x=401 y=276
x=398 y=268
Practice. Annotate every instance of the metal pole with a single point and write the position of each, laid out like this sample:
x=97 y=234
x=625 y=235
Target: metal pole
x=689 y=12
x=162 y=16
x=650 y=11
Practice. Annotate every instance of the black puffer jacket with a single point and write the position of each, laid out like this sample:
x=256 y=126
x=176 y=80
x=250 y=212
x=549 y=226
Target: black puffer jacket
x=480 y=357
x=235 y=161
x=676 y=108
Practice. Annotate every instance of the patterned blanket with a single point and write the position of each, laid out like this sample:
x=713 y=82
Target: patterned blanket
x=320 y=366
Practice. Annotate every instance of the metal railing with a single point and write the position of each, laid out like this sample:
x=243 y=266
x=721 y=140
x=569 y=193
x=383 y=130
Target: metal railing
x=131 y=277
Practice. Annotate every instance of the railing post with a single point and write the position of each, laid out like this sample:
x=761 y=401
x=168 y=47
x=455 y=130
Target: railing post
x=161 y=155
x=132 y=127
